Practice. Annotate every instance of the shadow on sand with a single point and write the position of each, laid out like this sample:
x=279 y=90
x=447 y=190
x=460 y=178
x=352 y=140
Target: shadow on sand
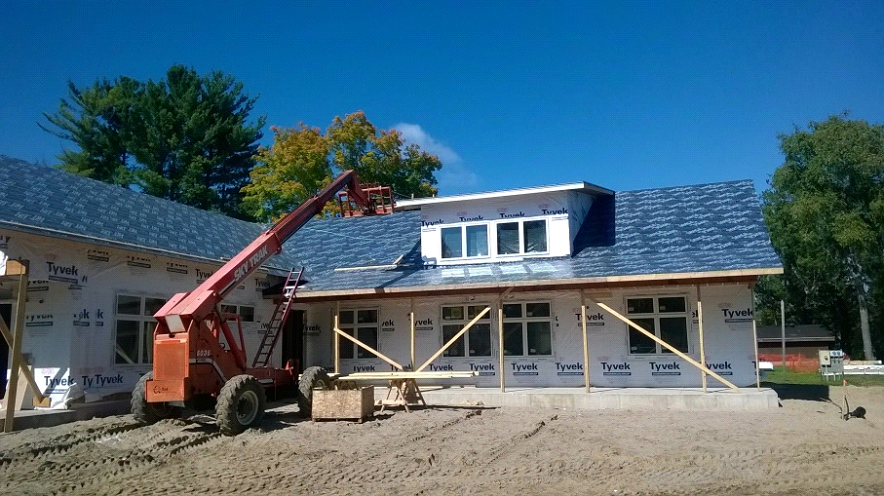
x=809 y=392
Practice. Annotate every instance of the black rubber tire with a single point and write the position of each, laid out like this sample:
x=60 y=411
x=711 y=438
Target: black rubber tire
x=240 y=405
x=151 y=413
x=312 y=378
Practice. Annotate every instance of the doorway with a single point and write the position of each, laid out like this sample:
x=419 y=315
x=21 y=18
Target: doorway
x=293 y=340
x=6 y=314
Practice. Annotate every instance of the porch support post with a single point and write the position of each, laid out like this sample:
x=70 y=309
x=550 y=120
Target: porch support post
x=500 y=345
x=337 y=347
x=411 y=319
x=755 y=343
x=585 y=342
x=702 y=345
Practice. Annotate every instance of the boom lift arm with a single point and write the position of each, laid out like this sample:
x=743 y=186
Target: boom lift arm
x=189 y=358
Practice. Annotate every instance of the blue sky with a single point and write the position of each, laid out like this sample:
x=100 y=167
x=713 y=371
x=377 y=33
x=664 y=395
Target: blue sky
x=626 y=95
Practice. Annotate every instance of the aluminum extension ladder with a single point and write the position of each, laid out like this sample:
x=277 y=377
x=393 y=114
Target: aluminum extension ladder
x=274 y=328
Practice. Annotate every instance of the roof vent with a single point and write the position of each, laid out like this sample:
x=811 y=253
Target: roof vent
x=381 y=198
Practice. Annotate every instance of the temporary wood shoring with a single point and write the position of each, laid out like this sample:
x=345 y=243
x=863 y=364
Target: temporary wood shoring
x=664 y=344
x=20 y=268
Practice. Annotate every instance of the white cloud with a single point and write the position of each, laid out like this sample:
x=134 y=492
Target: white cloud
x=454 y=177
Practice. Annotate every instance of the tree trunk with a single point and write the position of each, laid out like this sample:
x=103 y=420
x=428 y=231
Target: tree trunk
x=862 y=299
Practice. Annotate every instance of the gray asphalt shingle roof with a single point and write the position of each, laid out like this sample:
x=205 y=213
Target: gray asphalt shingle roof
x=42 y=199
x=702 y=228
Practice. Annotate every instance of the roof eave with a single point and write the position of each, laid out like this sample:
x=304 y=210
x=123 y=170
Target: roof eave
x=605 y=282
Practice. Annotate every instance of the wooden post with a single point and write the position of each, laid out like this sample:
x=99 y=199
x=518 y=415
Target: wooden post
x=337 y=347
x=411 y=318
x=500 y=343
x=25 y=371
x=454 y=338
x=702 y=346
x=17 y=335
x=585 y=343
x=666 y=345
x=755 y=344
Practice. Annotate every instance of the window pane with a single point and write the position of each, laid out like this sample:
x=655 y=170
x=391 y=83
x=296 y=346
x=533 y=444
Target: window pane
x=369 y=336
x=451 y=242
x=537 y=309
x=457 y=348
x=672 y=304
x=127 y=342
x=512 y=339
x=247 y=314
x=367 y=316
x=228 y=308
x=639 y=343
x=153 y=305
x=452 y=313
x=480 y=340
x=147 y=342
x=508 y=238
x=346 y=346
x=512 y=310
x=674 y=330
x=535 y=236
x=640 y=305
x=345 y=317
x=477 y=241
x=128 y=305
x=474 y=310
x=539 y=340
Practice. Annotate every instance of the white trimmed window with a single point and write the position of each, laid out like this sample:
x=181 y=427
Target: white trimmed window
x=476 y=342
x=665 y=316
x=133 y=332
x=522 y=237
x=527 y=329
x=468 y=241
x=361 y=324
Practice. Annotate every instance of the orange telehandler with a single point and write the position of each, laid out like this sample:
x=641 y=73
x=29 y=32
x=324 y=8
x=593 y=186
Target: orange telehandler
x=191 y=364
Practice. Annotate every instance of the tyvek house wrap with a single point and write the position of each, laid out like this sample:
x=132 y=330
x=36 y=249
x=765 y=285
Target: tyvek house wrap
x=70 y=316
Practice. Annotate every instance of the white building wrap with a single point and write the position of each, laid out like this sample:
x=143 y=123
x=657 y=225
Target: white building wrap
x=73 y=317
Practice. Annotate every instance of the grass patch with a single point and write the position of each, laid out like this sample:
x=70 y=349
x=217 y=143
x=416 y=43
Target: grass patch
x=784 y=376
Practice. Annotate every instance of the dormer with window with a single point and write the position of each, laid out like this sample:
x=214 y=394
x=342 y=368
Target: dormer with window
x=503 y=226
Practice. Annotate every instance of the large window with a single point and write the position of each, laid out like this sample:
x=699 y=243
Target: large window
x=476 y=342
x=665 y=316
x=133 y=336
x=361 y=324
x=465 y=241
x=527 y=329
x=521 y=237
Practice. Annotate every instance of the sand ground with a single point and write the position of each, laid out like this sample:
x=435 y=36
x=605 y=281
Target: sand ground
x=803 y=448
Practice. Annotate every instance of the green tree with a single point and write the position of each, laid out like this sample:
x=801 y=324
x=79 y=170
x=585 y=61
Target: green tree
x=97 y=118
x=825 y=213
x=293 y=169
x=303 y=160
x=185 y=138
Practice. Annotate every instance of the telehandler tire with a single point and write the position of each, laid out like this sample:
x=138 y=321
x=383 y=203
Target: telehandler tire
x=240 y=405
x=312 y=378
x=151 y=413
